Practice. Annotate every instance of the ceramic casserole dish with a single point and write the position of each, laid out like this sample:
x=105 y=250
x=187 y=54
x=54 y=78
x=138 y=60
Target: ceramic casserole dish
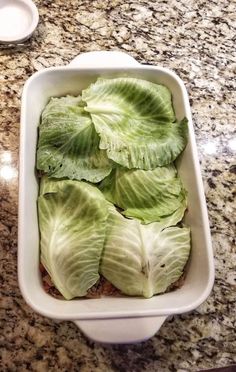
x=109 y=319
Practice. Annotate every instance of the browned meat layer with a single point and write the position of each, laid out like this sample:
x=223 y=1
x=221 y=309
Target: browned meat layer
x=102 y=288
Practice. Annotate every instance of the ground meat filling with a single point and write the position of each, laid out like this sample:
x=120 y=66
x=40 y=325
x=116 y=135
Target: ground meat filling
x=102 y=288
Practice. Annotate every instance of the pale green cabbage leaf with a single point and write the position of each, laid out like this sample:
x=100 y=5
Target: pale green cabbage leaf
x=146 y=195
x=68 y=144
x=143 y=260
x=136 y=122
x=72 y=221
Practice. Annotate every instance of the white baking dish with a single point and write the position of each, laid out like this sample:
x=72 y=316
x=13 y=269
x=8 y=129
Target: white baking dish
x=118 y=320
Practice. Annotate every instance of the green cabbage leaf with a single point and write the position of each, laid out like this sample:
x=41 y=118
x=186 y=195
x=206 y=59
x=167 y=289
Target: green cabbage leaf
x=68 y=144
x=146 y=195
x=143 y=260
x=72 y=222
x=136 y=122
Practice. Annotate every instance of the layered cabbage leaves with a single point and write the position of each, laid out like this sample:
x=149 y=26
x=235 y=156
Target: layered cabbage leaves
x=111 y=202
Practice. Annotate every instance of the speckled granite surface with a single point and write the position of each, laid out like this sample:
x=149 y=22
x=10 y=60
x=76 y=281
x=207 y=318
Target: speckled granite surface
x=195 y=39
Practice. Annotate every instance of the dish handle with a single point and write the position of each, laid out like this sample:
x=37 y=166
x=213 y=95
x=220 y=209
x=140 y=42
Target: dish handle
x=103 y=59
x=121 y=330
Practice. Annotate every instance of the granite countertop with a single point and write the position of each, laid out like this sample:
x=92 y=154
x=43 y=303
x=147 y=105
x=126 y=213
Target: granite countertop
x=195 y=39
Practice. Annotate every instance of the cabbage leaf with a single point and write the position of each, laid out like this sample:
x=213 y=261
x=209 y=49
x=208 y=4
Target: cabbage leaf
x=143 y=260
x=146 y=195
x=72 y=222
x=68 y=144
x=136 y=122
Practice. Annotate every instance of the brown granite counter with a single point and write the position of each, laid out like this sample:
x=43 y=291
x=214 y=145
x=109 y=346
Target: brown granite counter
x=195 y=39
